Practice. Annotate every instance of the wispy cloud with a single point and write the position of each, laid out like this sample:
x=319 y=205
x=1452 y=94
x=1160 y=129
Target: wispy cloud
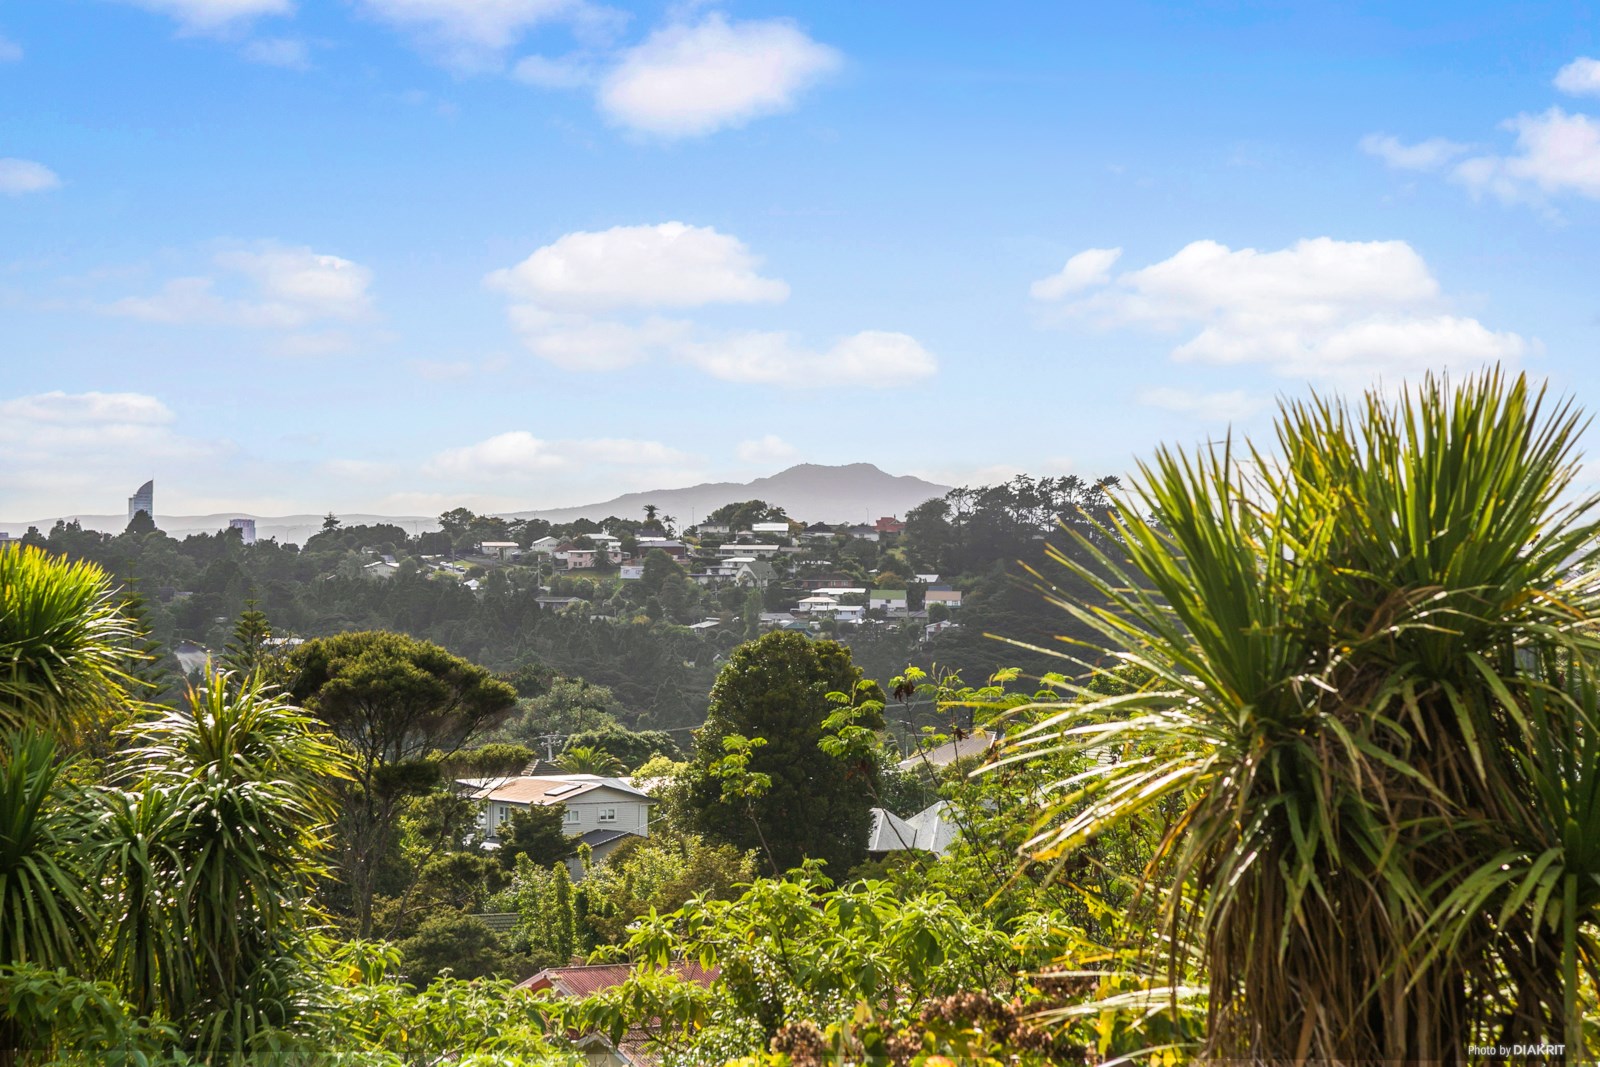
x=19 y=176
x=213 y=16
x=1423 y=155
x=1581 y=77
x=287 y=52
x=691 y=79
x=270 y=287
x=594 y=301
x=1555 y=153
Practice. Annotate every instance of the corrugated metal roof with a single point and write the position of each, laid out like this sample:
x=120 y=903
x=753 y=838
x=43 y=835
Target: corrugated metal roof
x=543 y=788
x=949 y=752
x=591 y=978
x=928 y=829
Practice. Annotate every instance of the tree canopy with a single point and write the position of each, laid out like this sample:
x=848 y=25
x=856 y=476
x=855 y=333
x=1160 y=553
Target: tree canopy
x=809 y=804
x=393 y=701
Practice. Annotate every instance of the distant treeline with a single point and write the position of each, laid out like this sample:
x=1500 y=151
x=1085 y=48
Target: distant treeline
x=195 y=588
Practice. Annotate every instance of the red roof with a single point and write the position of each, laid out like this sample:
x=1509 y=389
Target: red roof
x=591 y=978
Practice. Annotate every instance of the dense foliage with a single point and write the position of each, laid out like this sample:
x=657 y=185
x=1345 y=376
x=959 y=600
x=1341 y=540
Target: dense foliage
x=1321 y=783
x=760 y=778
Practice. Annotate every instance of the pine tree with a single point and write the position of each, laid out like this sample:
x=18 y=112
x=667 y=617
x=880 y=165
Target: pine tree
x=248 y=652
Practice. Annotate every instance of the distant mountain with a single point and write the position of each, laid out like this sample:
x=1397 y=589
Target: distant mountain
x=854 y=492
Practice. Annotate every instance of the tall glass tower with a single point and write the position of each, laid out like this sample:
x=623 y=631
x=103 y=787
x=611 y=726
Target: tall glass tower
x=143 y=500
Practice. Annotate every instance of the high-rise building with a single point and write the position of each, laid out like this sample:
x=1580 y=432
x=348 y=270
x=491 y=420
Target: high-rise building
x=246 y=528
x=144 y=500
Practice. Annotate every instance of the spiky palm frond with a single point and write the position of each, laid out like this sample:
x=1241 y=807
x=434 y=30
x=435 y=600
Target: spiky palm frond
x=215 y=849
x=1338 y=637
x=64 y=643
x=46 y=914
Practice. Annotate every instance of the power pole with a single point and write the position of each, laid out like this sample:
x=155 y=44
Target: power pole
x=549 y=741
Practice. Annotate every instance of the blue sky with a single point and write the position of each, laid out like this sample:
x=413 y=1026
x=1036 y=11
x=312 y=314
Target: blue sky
x=399 y=255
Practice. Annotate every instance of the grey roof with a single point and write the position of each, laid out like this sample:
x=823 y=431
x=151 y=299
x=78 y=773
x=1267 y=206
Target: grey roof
x=929 y=829
x=949 y=752
x=596 y=838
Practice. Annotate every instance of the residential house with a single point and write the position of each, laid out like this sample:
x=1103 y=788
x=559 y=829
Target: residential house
x=862 y=532
x=636 y=1047
x=832 y=581
x=950 y=598
x=817 y=531
x=770 y=529
x=889 y=527
x=887 y=599
x=190 y=656
x=602 y=812
x=729 y=550
x=631 y=572
x=545 y=545
x=931 y=830
x=963 y=746
x=670 y=545
x=754 y=574
x=502 y=550
x=579 y=559
x=380 y=568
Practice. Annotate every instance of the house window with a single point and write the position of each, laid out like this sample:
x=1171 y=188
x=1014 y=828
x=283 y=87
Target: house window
x=608 y=814
x=572 y=815
x=502 y=813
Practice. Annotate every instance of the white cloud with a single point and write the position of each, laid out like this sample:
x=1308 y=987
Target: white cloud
x=519 y=454
x=18 y=176
x=507 y=455
x=1088 y=268
x=10 y=51
x=75 y=410
x=668 y=265
x=62 y=449
x=1424 y=155
x=690 y=80
x=1229 y=406
x=582 y=344
x=586 y=302
x=210 y=16
x=1321 y=309
x=314 y=285
x=1581 y=77
x=273 y=288
x=872 y=359
x=569 y=72
x=284 y=52
x=766 y=450
x=1557 y=153
x=475 y=34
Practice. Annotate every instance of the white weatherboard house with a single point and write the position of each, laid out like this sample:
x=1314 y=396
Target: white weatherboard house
x=603 y=812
